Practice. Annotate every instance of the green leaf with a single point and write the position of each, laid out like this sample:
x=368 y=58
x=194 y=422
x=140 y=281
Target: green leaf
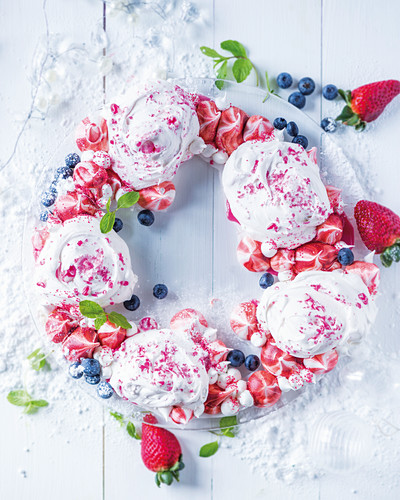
x=227 y=422
x=90 y=309
x=241 y=69
x=234 y=47
x=207 y=51
x=99 y=321
x=107 y=222
x=38 y=360
x=353 y=120
x=346 y=113
x=19 y=398
x=108 y=204
x=166 y=477
x=34 y=353
x=386 y=259
x=209 y=449
x=40 y=403
x=345 y=95
x=157 y=480
x=394 y=252
x=118 y=416
x=119 y=320
x=128 y=199
x=221 y=73
x=30 y=409
x=132 y=431
x=228 y=433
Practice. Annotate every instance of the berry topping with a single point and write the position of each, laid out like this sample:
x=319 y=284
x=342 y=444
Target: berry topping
x=92 y=379
x=145 y=217
x=292 y=129
x=280 y=123
x=345 y=256
x=330 y=92
x=72 y=159
x=252 y=362
x=104 y=390
x=329 y=125
x=160 y=291
x=118 y=225
x=75 y=370
x=284 y=80
x=297 y=99
x=133 y=303
x=266 y=280
x=48 y=198
x=235 y=357
x=90 y=366
x=64 y=173
x=44 y=215
x=306 y=85
x=302 y=140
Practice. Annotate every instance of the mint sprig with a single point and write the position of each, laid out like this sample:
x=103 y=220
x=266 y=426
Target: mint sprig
x=227 y=426
x=92 y=310
x=127 y=200
x=22 y=398
x=38 y=360
x=209 y=449
x=129 y=426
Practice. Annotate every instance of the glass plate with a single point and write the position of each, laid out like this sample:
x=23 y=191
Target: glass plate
x=193 y=245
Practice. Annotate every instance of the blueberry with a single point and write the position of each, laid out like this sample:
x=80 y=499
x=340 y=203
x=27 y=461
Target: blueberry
x=252 y=362
x=329 y=125
x=297 y=100
x=48 y=198
x=90 y=366
x=53 y=187
x=72 y=160
x=235 y=357
x=345 y=256
x=306 y=85
x=266 y=280
x=330 y=92
x=292 y=129
x=118 y=225
x=92 y=379
x=64 y=173
x=146 y=217
x=44 y=215
x=75 y=370
x=302 y=140
x=284 y=80
x=104 y=390
x=160 y=291
x=133 y=303
x=280 y=123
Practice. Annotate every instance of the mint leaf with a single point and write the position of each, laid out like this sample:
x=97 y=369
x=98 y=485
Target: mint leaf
x=132 y=431
x=90 y=309
x=128 y=199
x=33 y=354
x=209 y=52
x=119 y=320
x=100 y=320
x=209 y=449
x=118 y=416
x=107 y=222
x=108 y=204
x=234 y=47
x=38 y=360
x=221 y=73
x=39 y=403
x=227 y=422
x=30 y=409
x=19 y=398
x=241 y=69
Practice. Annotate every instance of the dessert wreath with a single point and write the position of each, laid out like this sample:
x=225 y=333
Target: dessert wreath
x=317 y=299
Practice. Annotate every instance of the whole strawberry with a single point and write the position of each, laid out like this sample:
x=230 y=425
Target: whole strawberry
x=379 y=229
x=161 y=452
x=366 y=103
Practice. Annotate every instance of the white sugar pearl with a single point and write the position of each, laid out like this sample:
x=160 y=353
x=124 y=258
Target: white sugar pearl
x=106 y=371
x=208 y=151
x=230 y=407
x=220 y=157
x=132 y=331
x=241 y=386
x=222 y=380
x=268 y=250
x=246 y=399
x=222 y=366
x=197 y=146
x=258 y=339
x=212 y=375
x=234 y=373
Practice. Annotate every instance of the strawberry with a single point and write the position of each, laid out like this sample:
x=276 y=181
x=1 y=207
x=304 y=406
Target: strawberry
x=379 y=229
x=366 y=103
x=161 y=451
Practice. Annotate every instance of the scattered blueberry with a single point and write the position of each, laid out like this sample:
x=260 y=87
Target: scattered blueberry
x=72 y=160
x=90 y=366
x=53 y=187
x=330 y=92
x=104 y=390
x=329 y=125
x=284 y=80
x=160 y=291
x=44 y=215
x=92 y=379
x=146 y=217
x=235 y=357
x=302 y=140
x=48 y=198
x=306 y=85
x=133 y=303
x=345 y=256
x=280 y=123
x=118 y=225
x=252 y=362
x=64 y=173
x=292 y=129
x=266 y=280
x=297 y=99
x=75 y=370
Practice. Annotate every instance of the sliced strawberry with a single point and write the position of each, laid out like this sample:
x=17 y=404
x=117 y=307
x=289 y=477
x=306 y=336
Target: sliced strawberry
x=88 y=175
x=230 y=129
x=80 y=344
x=258 y=128
x=209 y=116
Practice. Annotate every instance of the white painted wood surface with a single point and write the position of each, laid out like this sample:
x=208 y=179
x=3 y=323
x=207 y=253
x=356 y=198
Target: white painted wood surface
x=345 y=42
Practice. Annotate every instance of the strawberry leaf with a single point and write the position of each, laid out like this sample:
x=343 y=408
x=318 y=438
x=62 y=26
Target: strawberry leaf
x=128 y=199
x=207 y=51
x=119 y=320
x=107 y=222
x=209 y=449
x=241 y=69
x=90 y=309
x=234 y=47
x=346 y=113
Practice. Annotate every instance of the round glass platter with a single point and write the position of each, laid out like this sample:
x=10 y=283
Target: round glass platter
x=191 y=247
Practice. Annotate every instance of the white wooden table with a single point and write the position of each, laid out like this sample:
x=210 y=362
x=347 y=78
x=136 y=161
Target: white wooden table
x=333 y=41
